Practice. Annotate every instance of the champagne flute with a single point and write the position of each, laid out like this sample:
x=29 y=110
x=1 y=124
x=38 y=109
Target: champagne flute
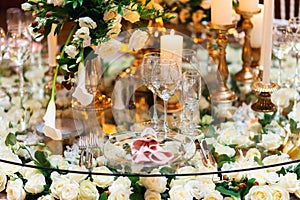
x=191 y=92
x=148 y=63
x=282 y=44
x=166 y=79
x=19 y=48
x=293 y=28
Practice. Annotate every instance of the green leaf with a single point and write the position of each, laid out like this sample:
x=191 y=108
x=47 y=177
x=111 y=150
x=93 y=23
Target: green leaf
x=166 y=170
x=75 y=3
x=48 y=27
x=225 y=191
x=256 y=159
x=136 y=196
x=80 y=2
x=41 y=157
x=134 y=179
x=103 y=196
x=293 y=125
x=282 y=171
x=11 y=139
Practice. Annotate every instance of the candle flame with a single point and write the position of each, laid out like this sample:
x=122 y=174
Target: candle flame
x=172 y=32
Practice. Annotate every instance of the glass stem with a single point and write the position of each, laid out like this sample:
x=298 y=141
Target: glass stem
x=166 y=128
x=21 y=93
x=279 y=72
x=191 y=125
x=155 y=117
x=296 y=71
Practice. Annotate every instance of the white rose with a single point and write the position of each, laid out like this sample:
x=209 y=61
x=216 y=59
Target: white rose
x=103 y=181
x=26 y=6
x=279 y=193
x=259 y=176
x=109 y=48
x=121 y=194
x=289 y=182
x=155 y=184
x=87 y=22
x=275 y=159
x=88 y=191
x=137 y=40
x=271 y=141
x=58 y=161
x=252 y=153
x=71 y=51
x=213 y=195
x=150 y=195
x=259 y=192
x=76 y=176
x=46 y=197
x=83 y=33
x=57 y=185
x=3 y=180
x=179 y=193
x=222 y=149
x=28 y=172
x=295 y=114
x=204 y=104
x=195 y=188
x=131 y=16
x=272 y=177
x=121 y=182
x=281 y=97
x=186 y=170
x=10 y=169
x=15 y=190
x=70 y=191
x=35 y=184
x=86 y=42
x=58 y=2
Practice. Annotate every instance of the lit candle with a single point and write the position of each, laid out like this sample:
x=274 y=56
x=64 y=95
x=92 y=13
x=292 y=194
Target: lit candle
x=248 y=5
x=52 y=46
x=221 y=12
x=266 y=47
x=256 y=33
x=171 y=46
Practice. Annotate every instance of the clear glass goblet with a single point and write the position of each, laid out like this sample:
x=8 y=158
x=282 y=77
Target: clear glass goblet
x=166 y=79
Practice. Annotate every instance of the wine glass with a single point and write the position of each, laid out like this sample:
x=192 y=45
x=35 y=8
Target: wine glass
x=19 y=48
x=191 y=93
x=166 y=79
x=148 y=63
x=293 y=28
x=2 y=43
x=282 y=44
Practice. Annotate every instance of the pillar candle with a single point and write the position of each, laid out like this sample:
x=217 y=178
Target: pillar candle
x=171 y=46
x=266 y=47
x=256 y=33
x=52 y=46
x=221 y=12
x=248 y=5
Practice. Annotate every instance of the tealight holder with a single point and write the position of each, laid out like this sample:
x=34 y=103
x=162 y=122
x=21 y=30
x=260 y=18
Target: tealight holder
x=264 y=91
x=246 y=74
x=222 y=94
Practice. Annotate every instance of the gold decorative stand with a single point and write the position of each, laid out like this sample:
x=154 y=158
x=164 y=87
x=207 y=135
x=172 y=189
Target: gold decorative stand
x=264 y=103
x=222 y=94
x=246 y=74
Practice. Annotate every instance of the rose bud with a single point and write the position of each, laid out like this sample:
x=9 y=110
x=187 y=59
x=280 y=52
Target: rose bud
x=34 y=23
x=48 y=14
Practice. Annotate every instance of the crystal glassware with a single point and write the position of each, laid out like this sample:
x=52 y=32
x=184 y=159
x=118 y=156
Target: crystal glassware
x=282 y=44
x=166 y=79
x=148 y=63
x=191 y=93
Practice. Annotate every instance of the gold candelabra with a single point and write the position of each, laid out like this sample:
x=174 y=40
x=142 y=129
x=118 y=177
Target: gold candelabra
x=246 y=74
x=222 y=94
x=264 y=91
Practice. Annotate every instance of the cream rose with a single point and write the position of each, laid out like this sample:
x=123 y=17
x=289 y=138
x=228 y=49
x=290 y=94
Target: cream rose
x=271 y=141
x=259 y=192
x=46 y=197
x=58 y=182
x=109 y=48
x=28 y=172
x=26 y=6
x=150 y=195
x=222 y=149
x=109 y=14
x=88 y=191
x=121 y=182
x=195 y=188
x=58 y=161
x=289 y=181
x=70 y=191
x=103 y=181
x=252 y=153
x=137 y=40
x=76 y=176
x=275 y=159
x=121 y=194
x=3 y=180
x=87 y=22
x=155 y=184
x=272 y=178
x=131 y=16
x=213 y=195
x=115 y=29
x=15 y=190
x=71 y=51
x=35 y=184
x=279 y=193
x=10 y=169
x=179 y=193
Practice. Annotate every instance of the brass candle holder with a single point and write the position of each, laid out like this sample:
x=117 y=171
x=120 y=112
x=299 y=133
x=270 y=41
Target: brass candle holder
x=264 y=103
x=246 y=74
x=255 y=57
x=222 y=94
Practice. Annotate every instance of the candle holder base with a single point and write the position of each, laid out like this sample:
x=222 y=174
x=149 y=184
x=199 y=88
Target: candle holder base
x=222 y=95
x=264 y=103
x=245 y=75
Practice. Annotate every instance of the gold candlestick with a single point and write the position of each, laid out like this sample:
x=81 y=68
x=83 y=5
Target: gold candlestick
x=222 y=94
x=246 y=74
x=255 y=58
x=264 y=103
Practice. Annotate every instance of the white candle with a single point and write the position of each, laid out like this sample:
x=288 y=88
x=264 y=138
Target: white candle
x=256 y=33
x=221 y=12
x=52 y=46
x=248 y=5
x=266 y=48
x=171 y=46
